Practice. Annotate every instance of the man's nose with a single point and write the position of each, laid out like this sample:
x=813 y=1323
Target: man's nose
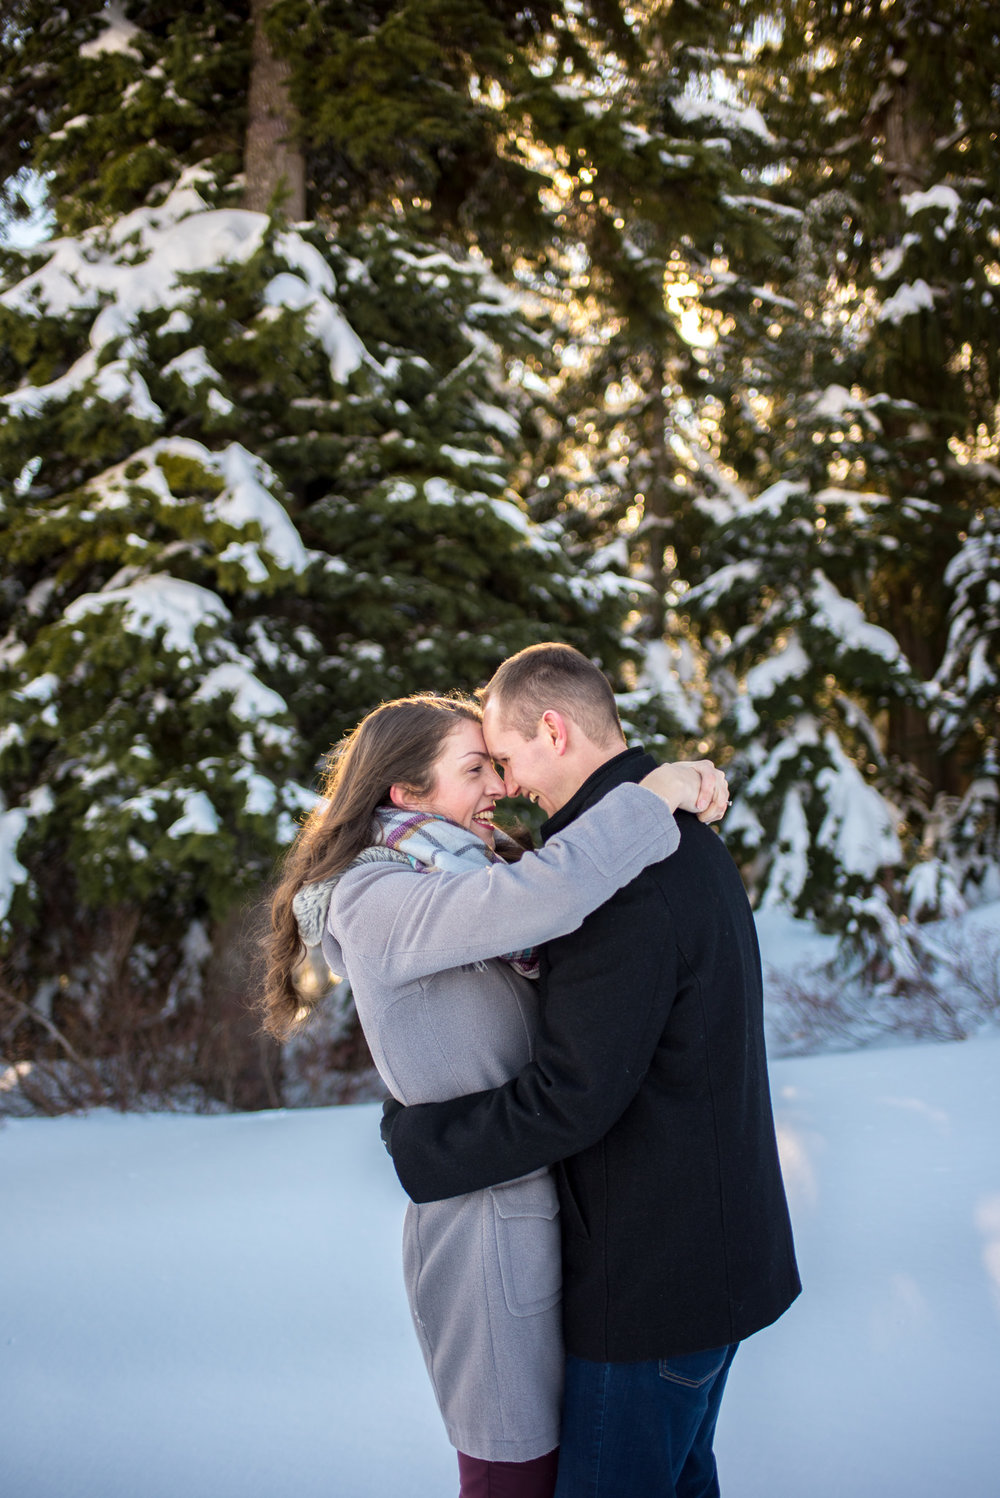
x=509 y=782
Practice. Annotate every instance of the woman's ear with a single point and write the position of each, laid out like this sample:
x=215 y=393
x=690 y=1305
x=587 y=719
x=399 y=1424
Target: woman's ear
x=403 y=797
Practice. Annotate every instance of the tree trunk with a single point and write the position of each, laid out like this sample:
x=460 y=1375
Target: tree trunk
x=908 y=139
x=273 y=161
x=236 y=1063
x=910 y=738
x=915 y=618
x=657 y=521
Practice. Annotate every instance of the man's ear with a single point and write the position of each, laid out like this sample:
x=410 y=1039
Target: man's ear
x=556 y=729
x=403 y=797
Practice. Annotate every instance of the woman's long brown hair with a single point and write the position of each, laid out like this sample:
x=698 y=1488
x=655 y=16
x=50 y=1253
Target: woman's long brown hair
x=397 y=743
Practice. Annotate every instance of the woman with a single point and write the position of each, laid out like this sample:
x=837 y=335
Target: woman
x=440 y=971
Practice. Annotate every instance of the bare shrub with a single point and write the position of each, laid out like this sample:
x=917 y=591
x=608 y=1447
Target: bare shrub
x=125 y=1028
x=955 y=992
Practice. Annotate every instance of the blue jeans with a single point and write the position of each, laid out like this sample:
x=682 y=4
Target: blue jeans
x=642 y=1430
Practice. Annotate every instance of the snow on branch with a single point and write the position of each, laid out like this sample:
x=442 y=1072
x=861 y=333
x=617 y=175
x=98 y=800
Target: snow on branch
x=155 y=603
x=842 y=618
x=907 y=301
x=860 y=827
x=117 y=35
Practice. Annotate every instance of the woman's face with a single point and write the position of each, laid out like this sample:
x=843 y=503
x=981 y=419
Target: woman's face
x=466 y=786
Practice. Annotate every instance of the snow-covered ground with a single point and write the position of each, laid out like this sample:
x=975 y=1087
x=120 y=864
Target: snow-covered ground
x=211 y=1307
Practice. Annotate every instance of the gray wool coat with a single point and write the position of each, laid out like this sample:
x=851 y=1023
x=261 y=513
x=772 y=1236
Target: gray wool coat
x=444 y=1016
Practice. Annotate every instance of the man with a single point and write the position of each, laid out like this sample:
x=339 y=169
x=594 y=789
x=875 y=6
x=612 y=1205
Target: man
x=648 y=1091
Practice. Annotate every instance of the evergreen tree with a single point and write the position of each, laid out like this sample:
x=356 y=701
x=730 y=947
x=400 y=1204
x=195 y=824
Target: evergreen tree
x=255 y=478
x=651 y=196
x=801 y=671
x=865 y=439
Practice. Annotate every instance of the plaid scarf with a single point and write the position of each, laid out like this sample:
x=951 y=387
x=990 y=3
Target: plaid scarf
x=431 y=842
x=426 y=841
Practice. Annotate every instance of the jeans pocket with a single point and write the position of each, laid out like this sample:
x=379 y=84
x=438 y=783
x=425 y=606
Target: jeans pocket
x=695 y=1368
x=526 y=1220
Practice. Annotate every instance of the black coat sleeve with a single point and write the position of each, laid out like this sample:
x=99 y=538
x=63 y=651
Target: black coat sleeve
x=608 y=991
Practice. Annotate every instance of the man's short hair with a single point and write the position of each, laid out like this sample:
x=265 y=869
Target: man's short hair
x=557 y=677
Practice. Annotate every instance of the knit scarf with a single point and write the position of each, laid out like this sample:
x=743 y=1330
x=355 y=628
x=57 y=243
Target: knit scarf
x=427 y=842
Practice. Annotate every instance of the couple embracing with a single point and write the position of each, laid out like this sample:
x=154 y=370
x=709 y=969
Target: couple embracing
x=573 y=1041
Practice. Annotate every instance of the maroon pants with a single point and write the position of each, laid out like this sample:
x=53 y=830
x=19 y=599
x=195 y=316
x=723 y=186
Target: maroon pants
x=535 y=1479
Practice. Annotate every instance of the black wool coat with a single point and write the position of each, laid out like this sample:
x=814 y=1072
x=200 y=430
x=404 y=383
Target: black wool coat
x=649 y=1093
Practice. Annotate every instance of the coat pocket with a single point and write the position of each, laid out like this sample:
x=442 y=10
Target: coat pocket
x=526 y=1220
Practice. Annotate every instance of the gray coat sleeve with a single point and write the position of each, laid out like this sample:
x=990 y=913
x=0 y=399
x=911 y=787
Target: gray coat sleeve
x=408 y=928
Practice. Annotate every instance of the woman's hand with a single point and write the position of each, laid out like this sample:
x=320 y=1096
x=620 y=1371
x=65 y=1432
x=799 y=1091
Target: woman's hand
x=693 y=785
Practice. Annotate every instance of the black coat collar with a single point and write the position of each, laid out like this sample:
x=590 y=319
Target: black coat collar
x=631 y=765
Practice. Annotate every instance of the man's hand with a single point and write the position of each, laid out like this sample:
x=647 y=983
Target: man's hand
x=691 y=785
x=389 y=1110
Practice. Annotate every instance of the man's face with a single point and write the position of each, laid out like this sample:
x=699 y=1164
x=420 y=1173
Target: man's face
x=530 y=767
